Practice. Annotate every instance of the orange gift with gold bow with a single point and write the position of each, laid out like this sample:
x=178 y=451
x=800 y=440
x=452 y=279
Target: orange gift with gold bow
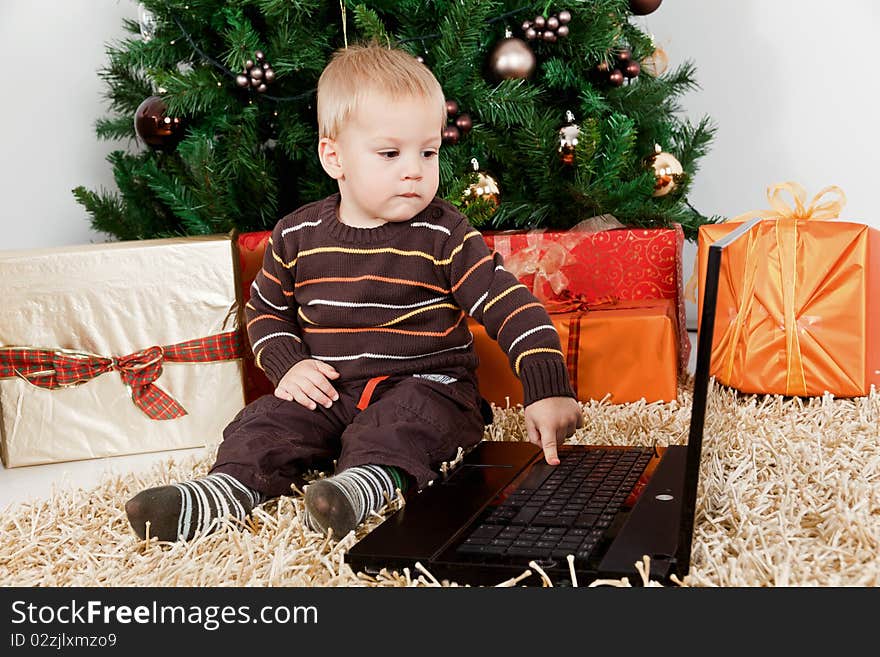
x=798 y=300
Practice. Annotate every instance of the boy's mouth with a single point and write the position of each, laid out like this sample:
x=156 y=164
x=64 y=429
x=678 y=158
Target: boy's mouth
x=409 y=195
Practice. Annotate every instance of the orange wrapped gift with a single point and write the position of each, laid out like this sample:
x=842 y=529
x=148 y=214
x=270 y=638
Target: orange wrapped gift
x=628 y=350
x=798 y=301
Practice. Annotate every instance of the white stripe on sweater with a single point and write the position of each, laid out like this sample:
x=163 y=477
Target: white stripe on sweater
x=391 y=356
x=304 y=224
x=478 y=302
x=275 y=335
x=352 y=304
x=543 y=327
x=256 y=288
x=425 y=224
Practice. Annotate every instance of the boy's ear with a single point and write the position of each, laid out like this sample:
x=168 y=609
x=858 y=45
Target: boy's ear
x=328 y=153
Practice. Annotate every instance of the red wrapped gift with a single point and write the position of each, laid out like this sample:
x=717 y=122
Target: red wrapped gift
x=251 y=247
x=623 y=263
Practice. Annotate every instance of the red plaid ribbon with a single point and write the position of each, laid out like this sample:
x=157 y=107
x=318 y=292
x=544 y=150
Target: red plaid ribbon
x=58 y=368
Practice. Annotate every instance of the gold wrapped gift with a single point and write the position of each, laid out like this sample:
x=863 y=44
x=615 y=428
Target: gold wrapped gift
x=98 y=352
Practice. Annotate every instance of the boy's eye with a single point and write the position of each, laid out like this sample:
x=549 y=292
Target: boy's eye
x=429 y=154
x=388 y=154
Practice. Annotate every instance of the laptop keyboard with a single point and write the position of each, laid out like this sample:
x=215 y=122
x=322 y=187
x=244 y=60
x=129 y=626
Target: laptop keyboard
x=559 y=510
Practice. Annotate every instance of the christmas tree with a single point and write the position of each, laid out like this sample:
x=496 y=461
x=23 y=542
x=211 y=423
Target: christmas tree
x=557 y=112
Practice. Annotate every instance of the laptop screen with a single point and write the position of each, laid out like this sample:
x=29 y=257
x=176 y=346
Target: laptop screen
x=701 y=384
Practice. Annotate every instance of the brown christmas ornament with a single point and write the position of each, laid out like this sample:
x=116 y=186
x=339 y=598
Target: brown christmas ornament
x=668 y=171
x=549 y=28
x=458 y=124
x=257 y=74
x=464 y=122
x=632 y=69
x=155 y=128
x=450 y=134
x=512 y=59
x=485 y=189
x=643 y=7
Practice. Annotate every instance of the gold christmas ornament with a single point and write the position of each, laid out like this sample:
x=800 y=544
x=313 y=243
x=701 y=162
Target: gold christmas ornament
x=484 y=189
x=512 y=59
x=656 y=63
x=668 y=171
x=568 y=139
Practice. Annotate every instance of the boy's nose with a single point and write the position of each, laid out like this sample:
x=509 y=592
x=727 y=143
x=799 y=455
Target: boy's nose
x=412 y=169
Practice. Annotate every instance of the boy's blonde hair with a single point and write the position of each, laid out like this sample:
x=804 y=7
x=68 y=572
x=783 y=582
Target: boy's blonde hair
x=361 y=70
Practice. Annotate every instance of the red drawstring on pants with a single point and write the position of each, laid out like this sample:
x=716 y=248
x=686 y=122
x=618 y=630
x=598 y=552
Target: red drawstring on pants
x=364 y=401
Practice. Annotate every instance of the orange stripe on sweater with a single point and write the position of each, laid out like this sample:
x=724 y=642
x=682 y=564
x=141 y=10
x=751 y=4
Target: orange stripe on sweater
x=277 y=282
x=269 y=276
x=433 y=334
x=370 y=277
x=259 y=317
x=520 y=309
x=393 y=321
x=470 y=271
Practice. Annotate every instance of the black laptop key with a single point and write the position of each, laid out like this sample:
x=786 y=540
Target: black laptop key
x=525 y=515
x=586 y=520
x=537 y=475
x=528 y=552
x=471 y=548
x=486 y=531
x=551 y=519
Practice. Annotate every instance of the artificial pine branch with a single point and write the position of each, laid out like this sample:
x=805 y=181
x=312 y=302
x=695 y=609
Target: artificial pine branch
x=246 y=158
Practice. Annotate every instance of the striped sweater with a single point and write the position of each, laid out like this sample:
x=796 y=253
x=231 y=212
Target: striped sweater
x=394 y=300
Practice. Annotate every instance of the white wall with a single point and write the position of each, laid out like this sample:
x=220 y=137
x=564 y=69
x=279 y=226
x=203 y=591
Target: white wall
x=791 y=84
x=793 y=88
x=52 y=50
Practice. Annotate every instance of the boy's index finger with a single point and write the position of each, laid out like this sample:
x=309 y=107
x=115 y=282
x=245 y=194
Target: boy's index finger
x=548 y=443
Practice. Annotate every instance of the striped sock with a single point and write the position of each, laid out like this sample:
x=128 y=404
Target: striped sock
x=343 y=501
x=180 y=510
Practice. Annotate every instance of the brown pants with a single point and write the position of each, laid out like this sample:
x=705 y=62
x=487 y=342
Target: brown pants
x=409 y=422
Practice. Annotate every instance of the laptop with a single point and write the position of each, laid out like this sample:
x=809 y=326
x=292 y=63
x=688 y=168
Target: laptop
x=502 y=507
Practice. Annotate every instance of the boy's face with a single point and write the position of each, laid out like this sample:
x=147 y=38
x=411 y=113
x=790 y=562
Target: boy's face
x=385 y=159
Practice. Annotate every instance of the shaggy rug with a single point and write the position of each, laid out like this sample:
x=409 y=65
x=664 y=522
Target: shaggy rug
x=789 y=495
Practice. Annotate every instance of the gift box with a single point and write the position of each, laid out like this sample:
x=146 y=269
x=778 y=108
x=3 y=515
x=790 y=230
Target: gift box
x=622 y=263
x=627 y=351
x=798 y=300
x=117 y=348
x=250 y=249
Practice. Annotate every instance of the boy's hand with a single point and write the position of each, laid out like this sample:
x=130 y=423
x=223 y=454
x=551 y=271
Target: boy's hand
x=308 y=382
x=550 y=421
